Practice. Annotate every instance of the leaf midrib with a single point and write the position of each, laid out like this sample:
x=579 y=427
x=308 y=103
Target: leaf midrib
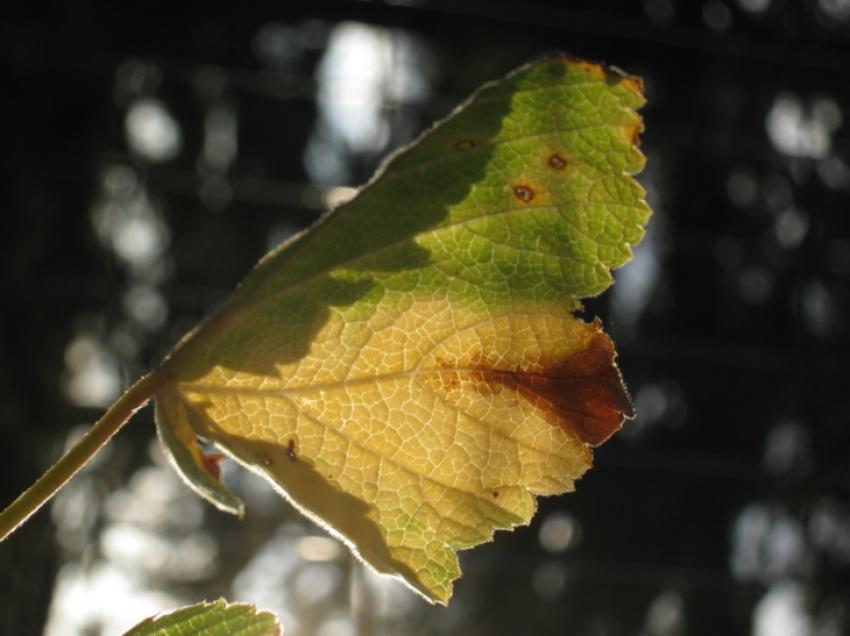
x=284 y=392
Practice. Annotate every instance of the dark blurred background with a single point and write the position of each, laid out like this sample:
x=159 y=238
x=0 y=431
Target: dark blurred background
x=149 y=157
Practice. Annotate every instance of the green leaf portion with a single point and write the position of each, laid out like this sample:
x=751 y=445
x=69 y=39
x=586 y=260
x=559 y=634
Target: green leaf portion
x=217 y=618
x=449 y=198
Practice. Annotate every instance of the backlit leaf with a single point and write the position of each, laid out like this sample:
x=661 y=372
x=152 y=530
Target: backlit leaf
x=210 y=619
x=409 y=372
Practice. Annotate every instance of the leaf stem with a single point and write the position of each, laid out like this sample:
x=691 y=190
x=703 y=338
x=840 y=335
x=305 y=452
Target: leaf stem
x=78 y=455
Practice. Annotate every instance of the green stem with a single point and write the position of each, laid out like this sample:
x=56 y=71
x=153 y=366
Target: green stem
x=78 y=455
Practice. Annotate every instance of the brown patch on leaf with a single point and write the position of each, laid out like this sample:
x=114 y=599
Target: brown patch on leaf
x=291 y=450
x=583 y=393
x=464 y=144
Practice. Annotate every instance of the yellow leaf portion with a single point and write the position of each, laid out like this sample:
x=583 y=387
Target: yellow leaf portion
x=404 y=442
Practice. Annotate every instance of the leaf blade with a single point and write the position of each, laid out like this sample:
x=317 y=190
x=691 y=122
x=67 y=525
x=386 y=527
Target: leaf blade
x=396 y=371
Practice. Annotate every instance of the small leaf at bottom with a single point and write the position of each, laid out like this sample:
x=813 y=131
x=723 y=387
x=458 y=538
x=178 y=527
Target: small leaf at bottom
x=217 y=618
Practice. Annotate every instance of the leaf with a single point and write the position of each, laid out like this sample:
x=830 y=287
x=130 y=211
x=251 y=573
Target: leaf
x=409 y=372
x=210 y=619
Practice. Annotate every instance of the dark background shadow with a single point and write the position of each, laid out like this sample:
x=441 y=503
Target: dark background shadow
x=150 y=158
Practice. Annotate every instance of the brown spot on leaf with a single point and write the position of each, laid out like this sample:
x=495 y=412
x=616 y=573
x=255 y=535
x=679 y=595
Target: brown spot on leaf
x=556 y=161
x=291 y=450
x=523 y=193
x=212 y=463
x=495 y=494
x=583 y=393
x=464 y=144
